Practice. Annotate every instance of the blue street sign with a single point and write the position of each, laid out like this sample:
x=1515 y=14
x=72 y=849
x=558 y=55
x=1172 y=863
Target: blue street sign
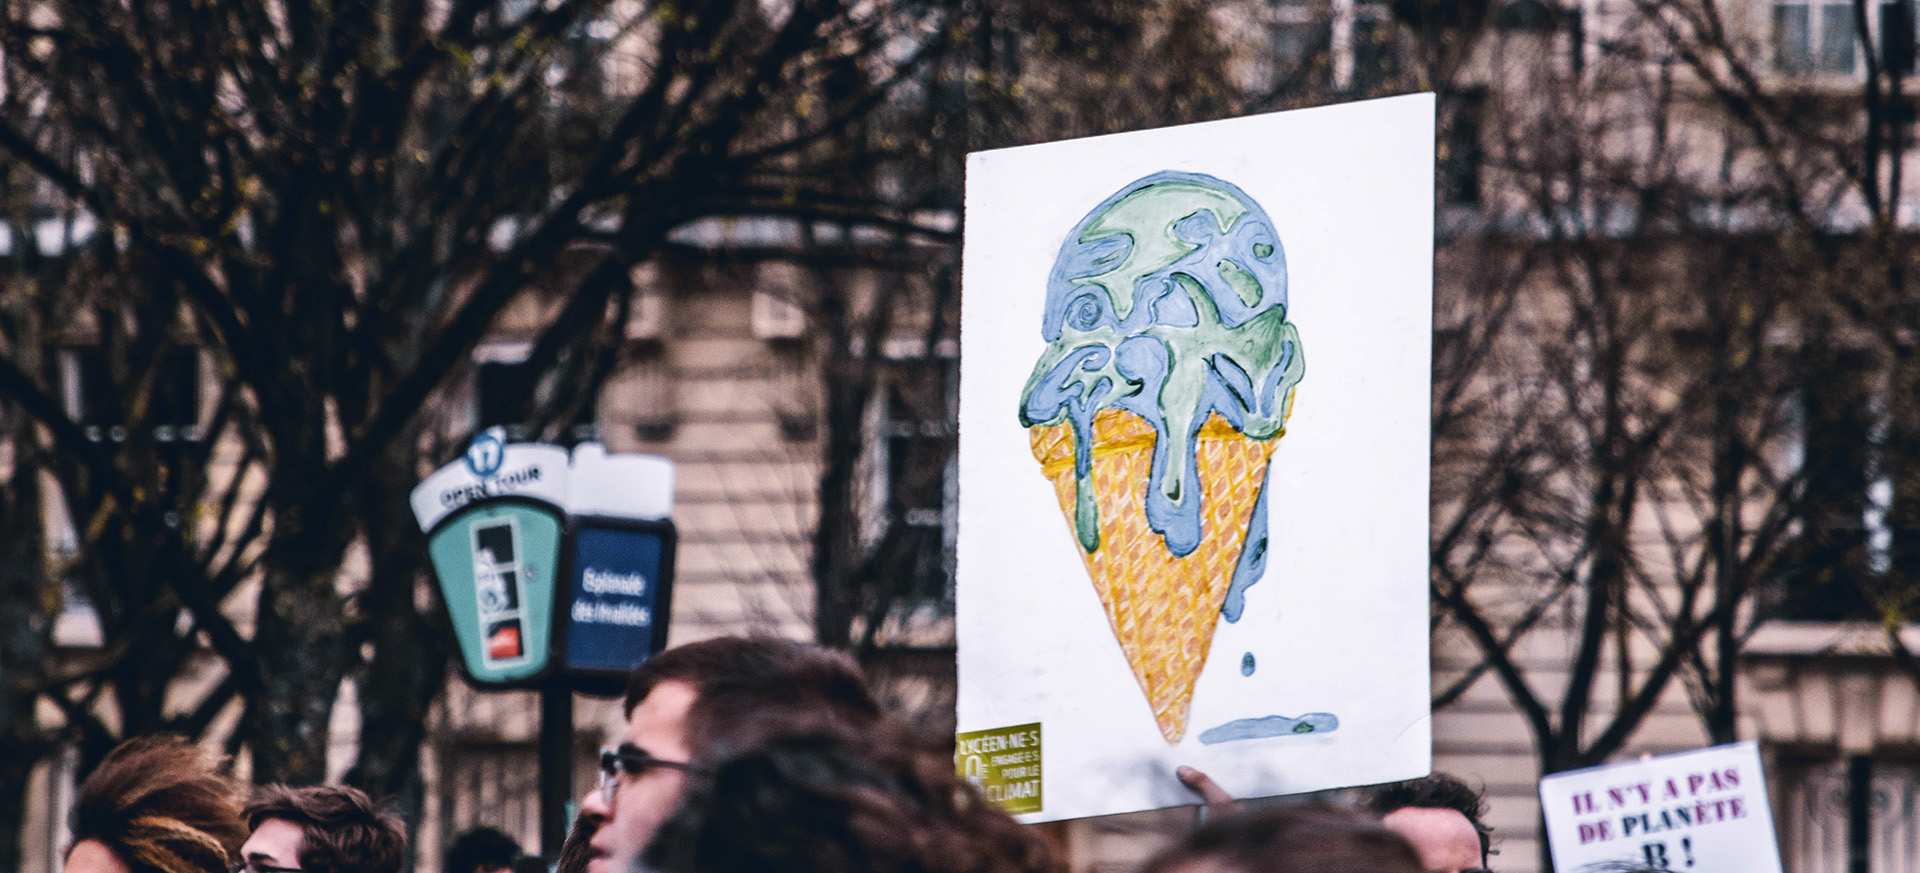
x=618 y=598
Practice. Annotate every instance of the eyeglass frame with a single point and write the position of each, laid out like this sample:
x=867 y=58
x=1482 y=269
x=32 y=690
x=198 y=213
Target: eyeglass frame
x=248 y=866
x=627 y=758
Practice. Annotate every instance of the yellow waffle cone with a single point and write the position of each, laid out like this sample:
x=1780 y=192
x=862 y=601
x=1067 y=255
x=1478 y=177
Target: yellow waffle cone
x=1163 y=608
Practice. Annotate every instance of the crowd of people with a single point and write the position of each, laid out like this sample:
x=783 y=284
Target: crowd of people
x=740 y=755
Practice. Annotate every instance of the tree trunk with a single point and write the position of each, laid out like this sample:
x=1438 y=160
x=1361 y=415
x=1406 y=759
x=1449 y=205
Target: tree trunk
x=302 y=645
x=410 y=649
x=24 y=615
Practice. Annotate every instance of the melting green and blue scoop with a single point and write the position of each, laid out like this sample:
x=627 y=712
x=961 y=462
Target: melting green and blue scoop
x=1168 y=300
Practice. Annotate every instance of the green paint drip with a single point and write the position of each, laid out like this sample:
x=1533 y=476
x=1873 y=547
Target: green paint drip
x=1256 y=347
x=1086 y=513
x=1161 y=207
x=1242 y=282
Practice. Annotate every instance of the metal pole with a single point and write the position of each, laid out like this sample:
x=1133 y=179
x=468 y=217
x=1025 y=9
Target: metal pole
x=556 y=766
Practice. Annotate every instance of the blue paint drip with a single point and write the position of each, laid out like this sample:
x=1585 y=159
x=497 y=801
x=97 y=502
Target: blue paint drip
x=1271 y=726
x=1253 y=557
x=1246 y=664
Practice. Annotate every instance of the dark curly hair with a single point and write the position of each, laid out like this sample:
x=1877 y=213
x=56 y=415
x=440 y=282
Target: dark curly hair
x=818 y=798
x=1295 y=838
x=158 y=803
x=481 y=848
x=342 y=830
x=1435 y=791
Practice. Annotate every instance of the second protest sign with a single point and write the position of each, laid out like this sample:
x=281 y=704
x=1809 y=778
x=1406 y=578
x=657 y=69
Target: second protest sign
x=1704 y=810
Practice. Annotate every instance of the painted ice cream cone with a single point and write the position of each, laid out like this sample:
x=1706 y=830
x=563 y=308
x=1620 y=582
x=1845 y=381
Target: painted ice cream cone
x=1160 y=399
x=1163 y=607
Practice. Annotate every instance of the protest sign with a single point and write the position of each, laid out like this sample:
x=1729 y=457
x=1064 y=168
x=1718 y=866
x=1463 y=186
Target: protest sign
x=1149 y=575
x=1704 y=811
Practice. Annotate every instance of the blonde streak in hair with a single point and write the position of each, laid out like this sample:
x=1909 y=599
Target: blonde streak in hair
x=159 y=857
x=161 y=826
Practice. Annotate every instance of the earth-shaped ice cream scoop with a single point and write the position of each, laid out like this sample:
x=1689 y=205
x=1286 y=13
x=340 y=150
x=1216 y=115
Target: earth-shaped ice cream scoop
x=1168 y=376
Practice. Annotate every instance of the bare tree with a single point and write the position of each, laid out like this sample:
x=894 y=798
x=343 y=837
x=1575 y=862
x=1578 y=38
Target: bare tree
x=1836 y=167
x=1613 y=397
x=333 y=203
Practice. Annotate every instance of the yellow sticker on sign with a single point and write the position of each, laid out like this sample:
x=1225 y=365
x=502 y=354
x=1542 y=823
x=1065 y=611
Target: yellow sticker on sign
x=1004 y=763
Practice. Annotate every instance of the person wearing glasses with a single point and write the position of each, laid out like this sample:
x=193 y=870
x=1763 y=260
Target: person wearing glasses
x=155 y=805
x=320 y=829
x=681 y=707
x=1440 y=816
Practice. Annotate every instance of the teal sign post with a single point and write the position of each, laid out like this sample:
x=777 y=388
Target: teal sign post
x=495 y=521
x=496 y=564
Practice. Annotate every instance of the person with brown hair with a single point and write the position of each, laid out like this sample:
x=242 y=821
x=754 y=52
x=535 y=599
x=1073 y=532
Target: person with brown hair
x=155 y=805
x=321 y=829
x=820 y=798
x=1441 y=816
x=1295 y=838
x=678 y=702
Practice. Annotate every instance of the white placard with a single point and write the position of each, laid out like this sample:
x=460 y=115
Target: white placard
x=1704 y=811
x=1182 y=277
x=619 y=486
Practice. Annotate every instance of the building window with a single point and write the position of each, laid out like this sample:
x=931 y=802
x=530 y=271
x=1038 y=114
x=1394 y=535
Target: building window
x=1528 y=16
x=1460 y=148
x=492 y=784
x=98 y=399
x=907 y=487
x=1814 y=38
x=1837 y=811
x=1299 y=36
x=1376 y=63
x=503 y=395
x=649 y=392
x=1896 y=38
x=508 y=390
x=1829 y=569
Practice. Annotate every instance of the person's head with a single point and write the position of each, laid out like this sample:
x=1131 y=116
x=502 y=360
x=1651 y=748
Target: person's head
x=1296 y=838
x=1440 y=816
x=155 y=805
x=824 y=799
x=321 y=829
x=679 y=701
x=481 y=850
